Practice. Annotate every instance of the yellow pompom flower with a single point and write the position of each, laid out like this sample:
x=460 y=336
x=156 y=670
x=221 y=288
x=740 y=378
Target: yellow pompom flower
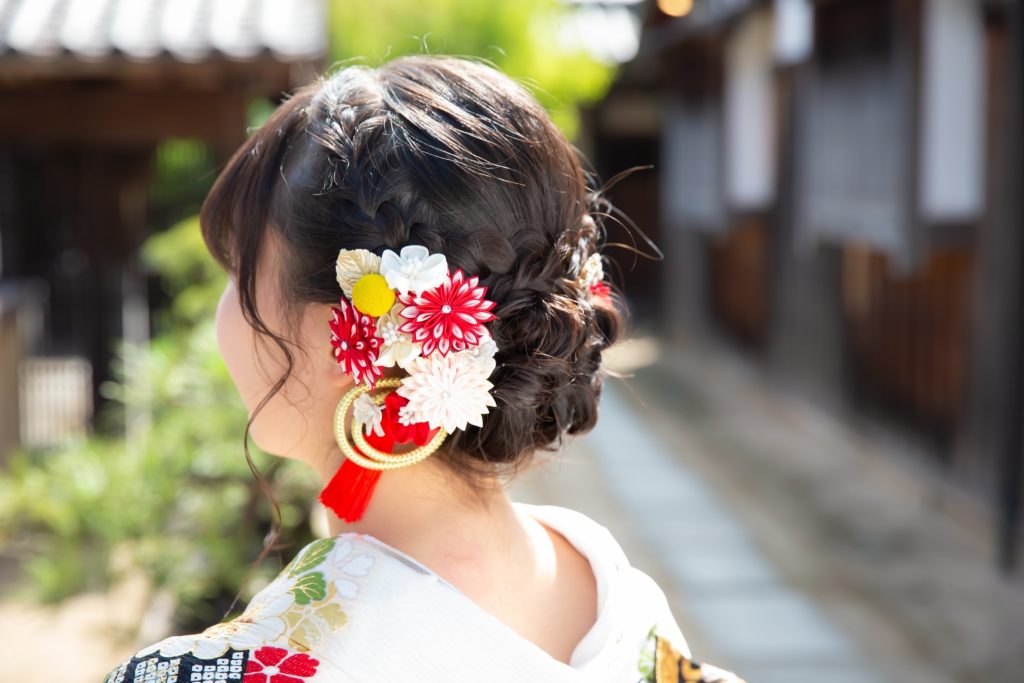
x=372 y=295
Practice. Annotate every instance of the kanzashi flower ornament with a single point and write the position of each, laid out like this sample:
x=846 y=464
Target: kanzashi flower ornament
x=413 y=270
x=592 y=276
x=405 y=309
x=449 y=316
x=355 y=341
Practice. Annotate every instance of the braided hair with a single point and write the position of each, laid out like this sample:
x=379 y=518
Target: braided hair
x=450 y=154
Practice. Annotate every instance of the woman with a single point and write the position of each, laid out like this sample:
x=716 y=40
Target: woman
x=416 y=308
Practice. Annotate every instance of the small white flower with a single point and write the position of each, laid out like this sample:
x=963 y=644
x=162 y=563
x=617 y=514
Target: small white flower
x=349 y=564
x=352 y=264
x=415 y=270
x=396 y=347
x=592 y=271
x=483 y=354
x=446 y=391
x=367 y=413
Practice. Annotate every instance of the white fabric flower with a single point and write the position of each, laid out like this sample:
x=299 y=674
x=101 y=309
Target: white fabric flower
x=415 y=270
x=366 y=412
x=352 y=264
x=592 y=271
x=446 y=391
x=396 y=347
x=483 y=354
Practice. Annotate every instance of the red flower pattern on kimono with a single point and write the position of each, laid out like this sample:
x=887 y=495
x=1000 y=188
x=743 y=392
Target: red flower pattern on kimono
x=278 y=665
x=356 y=344
x=449 y=317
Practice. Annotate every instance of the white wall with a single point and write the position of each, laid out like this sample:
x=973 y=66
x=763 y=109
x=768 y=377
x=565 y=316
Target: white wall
x=952 y=111
x=750 y=113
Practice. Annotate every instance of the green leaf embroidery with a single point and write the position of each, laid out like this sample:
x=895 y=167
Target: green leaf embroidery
x=309 y=587
x=646 y=663
x=311 y=558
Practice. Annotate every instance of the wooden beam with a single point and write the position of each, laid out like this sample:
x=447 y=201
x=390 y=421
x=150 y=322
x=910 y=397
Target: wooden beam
x=113 y=116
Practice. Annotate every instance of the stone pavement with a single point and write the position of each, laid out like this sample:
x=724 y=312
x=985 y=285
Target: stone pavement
x=792 y=548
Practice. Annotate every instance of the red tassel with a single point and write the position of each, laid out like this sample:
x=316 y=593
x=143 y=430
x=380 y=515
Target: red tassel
x=349 y=491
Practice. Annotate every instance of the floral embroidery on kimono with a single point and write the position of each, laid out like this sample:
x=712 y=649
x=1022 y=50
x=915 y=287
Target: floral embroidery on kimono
x=268 y=642
x=661 y=662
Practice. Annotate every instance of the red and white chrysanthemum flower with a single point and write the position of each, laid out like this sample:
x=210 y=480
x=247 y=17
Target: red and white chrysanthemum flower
x=449 y=316
x=446 y=391
x=356 y=344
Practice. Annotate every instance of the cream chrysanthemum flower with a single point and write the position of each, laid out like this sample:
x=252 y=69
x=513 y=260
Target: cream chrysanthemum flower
x=353 y=264
x=483 y=354
x=414 y=270
x=396 y=347
x=366 y=412
x=446 y=391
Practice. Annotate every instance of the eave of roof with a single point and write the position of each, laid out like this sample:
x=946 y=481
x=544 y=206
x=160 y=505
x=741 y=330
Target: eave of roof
x=101 y=34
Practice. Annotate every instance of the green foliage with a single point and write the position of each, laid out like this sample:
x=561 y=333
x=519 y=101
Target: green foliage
x=521 y=37
x=175 y=498
x=190 y=277
x=183 y=170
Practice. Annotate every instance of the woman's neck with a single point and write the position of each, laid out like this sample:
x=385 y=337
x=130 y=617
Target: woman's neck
x=424 y=511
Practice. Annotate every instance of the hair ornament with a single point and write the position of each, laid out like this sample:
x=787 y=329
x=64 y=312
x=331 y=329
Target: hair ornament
x=405 y=309
x=592 y=277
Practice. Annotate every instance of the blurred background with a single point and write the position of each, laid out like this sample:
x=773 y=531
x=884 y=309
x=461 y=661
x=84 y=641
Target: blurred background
x=815 y=446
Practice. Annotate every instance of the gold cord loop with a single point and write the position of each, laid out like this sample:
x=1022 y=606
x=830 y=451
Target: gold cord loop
x=382 y=461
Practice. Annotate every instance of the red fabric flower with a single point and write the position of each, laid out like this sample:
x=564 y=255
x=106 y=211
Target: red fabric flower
x=449 y=316
x=419 y=433
x=600 y=289
x=277 y=665
x=356 y=344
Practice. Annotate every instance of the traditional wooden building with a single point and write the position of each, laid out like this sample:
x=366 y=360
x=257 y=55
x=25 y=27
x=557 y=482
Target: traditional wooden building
x=837 y=187
x=88 y=90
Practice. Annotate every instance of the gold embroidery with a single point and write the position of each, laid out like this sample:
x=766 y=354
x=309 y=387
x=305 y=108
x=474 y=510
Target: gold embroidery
x=670 y=666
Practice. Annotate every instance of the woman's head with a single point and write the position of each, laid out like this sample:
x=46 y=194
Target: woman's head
x=435 y=151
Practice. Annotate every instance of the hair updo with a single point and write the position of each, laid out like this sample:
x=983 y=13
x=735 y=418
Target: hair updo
x=453 y=155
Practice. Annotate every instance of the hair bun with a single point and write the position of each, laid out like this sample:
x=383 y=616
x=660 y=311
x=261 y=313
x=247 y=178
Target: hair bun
x=548 y=379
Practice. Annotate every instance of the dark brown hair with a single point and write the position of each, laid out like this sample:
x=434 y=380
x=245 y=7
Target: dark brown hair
x=451 y=154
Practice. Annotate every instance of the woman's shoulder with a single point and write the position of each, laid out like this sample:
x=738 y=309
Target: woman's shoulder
x=287 y=628
x=665 y=654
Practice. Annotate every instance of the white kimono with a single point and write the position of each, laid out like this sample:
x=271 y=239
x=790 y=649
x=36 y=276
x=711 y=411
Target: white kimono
x=352 y=608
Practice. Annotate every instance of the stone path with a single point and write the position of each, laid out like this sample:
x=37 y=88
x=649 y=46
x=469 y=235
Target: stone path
x=733 y=600
x=792 y=548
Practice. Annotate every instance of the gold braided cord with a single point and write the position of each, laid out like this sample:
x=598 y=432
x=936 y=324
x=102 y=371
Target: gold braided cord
x=382 y=461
